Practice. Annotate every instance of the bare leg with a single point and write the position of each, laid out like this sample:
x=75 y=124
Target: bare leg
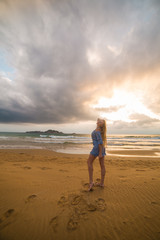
x=103 y=171
x=90 y=160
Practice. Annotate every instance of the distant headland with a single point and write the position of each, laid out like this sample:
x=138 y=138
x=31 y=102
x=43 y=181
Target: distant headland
x=50 y=131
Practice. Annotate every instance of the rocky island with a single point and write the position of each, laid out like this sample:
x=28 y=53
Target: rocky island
x=50 y=131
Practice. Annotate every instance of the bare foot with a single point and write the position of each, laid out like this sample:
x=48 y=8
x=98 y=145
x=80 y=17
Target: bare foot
x=99 y=184
x=90 y=186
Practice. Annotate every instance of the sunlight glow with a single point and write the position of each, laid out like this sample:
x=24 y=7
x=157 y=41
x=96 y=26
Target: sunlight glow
x=126 y=104
x=93 y=58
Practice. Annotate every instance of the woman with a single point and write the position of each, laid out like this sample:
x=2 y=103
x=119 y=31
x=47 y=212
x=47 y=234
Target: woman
x=99 y=142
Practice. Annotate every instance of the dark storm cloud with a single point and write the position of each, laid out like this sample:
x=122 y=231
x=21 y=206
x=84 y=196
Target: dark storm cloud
x=142 y=122
x=47 y=44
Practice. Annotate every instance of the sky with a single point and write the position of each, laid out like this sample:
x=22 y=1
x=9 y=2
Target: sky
x=64 y=63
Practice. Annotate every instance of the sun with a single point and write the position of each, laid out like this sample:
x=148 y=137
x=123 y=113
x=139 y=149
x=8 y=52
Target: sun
x=126 y=104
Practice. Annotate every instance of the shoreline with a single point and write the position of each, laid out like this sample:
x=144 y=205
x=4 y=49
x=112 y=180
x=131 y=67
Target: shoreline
x=121 y=152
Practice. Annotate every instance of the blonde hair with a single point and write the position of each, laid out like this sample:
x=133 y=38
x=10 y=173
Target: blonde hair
x=104 y=132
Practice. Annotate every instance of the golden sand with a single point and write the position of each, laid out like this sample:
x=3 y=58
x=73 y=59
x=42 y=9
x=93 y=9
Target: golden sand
x=43 y=196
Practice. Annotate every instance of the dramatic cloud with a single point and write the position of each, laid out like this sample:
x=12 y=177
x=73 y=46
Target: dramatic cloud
x=67 y=54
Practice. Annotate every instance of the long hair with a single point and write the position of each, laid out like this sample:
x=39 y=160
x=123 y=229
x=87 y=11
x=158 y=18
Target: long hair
x=104 y=132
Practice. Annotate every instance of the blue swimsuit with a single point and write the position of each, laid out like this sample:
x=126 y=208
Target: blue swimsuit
x=97 y=139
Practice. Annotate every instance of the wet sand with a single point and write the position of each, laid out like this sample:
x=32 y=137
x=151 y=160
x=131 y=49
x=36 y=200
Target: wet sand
x=43 y=195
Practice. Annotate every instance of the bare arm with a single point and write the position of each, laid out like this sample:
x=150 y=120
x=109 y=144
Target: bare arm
x=100 y=150
x=100 y=143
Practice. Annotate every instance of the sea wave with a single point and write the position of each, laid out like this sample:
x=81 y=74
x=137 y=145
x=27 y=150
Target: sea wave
x=138 y=141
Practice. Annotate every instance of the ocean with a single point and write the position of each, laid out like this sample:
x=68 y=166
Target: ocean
x=76 y=143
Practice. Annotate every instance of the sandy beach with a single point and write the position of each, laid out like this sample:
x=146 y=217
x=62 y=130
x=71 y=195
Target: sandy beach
x=43 y=195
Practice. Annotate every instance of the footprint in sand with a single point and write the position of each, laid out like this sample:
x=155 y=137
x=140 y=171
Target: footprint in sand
x=63 y=170
x=30 y=198
x=85 y=185
x=140 y=170
x=153 y=202
x=77 y=210
x=77 y=207
x=27 y=167
x=7 y=218
x=80 y=212
x=101 y=204
x=16 y=164
x=44 y=168
x=76 y=199
x=63 y=201
x=98 y=179
x=54 y=223
x=147 y=217
x=72 y=224
x=91 y=207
